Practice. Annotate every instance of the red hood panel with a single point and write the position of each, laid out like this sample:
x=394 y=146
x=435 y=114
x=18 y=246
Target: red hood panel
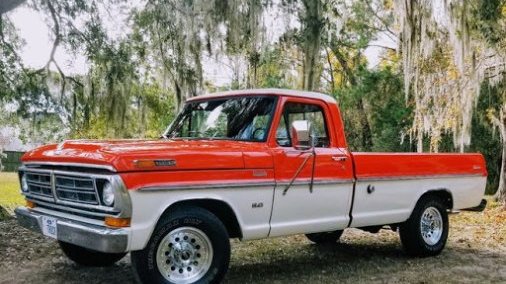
x=121 y=154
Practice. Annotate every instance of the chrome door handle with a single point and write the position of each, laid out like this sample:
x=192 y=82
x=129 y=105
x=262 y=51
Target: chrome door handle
x=339 y=158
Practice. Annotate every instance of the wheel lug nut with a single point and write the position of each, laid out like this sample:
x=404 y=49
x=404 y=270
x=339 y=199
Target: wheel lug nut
x=180 y=270
x=189 y=268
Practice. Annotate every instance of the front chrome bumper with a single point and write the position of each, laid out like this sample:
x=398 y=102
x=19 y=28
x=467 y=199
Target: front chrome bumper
x=81 y=234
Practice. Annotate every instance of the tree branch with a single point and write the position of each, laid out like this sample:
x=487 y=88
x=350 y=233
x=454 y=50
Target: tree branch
x=331 y=71
x=381 y=46
x=344 y=64
x=380 y=19
x=56 y=30
x=56 y=43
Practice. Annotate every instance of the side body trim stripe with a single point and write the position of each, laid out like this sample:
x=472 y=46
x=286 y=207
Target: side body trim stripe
x=236 y=185
x=205 y=186
x=197 y=186
x=416 y=177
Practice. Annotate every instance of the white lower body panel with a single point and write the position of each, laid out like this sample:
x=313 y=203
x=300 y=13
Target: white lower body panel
x=300 y=211
x=392 y=201
x=148 y=206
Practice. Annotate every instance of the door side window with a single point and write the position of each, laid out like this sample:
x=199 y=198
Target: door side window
x=298 y=111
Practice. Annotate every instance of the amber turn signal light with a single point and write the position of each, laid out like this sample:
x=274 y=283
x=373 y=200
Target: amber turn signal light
x=30 y=204
x=117 y=222
x=144 y=163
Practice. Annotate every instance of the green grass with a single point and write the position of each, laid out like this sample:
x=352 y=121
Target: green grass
x=10 y=197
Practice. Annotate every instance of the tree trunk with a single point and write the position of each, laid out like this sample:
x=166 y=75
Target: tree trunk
x=73 y=120
x=248 y=77
x=331 y=71
x=255 y=78
x=500 y=195
x=419 y=142
x=366 y=130
x=500 y=123
x=313 y=25
x=179 y=97
x=90 y=105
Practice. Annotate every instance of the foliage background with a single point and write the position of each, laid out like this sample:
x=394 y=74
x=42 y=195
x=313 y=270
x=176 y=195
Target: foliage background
x=135 y=83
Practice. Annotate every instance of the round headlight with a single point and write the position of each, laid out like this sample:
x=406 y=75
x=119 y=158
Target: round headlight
x=24 y=183
x=108 y=194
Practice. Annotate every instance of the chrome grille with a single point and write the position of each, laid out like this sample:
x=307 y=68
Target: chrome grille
x=76 y=189
x=39 y=184
x=69 y=192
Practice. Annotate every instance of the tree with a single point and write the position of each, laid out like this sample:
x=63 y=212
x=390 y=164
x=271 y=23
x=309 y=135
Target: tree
x=312 y=22
x=497 y=118
x=11 y=67
x=180 y=32
x=469 y=36
x=352 y=28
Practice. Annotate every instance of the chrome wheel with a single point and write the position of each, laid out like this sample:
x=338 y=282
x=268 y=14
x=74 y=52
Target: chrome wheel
x=431 y=225
x=184 y=255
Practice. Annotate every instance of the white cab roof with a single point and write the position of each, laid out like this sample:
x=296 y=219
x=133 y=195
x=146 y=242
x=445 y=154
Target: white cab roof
x=276 y=92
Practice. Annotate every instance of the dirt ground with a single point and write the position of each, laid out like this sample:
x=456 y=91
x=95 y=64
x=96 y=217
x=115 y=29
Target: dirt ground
x=476 y=253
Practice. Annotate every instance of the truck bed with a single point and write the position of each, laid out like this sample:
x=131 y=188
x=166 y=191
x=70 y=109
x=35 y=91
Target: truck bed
x=388 y=185
x=411 y=165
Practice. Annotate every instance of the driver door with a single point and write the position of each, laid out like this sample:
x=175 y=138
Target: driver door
x=296 y=208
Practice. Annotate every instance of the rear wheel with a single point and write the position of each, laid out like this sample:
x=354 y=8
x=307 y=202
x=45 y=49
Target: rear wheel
x=190 y=245
x=88 y=257
x=425 y=233
x=325 y=237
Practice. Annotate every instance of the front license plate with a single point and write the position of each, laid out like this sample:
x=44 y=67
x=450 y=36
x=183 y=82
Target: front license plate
x=49 y=227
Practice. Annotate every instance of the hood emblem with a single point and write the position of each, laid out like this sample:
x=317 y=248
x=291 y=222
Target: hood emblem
x=154 y=163
x=165 y=163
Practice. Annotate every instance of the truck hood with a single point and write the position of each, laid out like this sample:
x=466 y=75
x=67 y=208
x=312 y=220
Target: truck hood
x=143 y=155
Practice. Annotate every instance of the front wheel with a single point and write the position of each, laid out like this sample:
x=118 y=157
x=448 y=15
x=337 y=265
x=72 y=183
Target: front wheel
x=88 y=257
x=425 y=233
x=189 y=245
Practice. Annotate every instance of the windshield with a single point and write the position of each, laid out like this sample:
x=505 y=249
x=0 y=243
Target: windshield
x=243 y=118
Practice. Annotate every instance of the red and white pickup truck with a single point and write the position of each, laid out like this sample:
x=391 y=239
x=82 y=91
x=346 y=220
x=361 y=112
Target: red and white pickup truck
x=246 y=164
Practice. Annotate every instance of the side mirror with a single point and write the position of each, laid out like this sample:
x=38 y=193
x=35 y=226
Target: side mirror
x=301 y=135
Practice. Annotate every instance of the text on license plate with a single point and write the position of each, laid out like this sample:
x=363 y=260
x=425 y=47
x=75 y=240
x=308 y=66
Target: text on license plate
x=49 y=227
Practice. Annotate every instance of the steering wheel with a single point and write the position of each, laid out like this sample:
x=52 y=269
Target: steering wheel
x=216 y=133
x=254 y=134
